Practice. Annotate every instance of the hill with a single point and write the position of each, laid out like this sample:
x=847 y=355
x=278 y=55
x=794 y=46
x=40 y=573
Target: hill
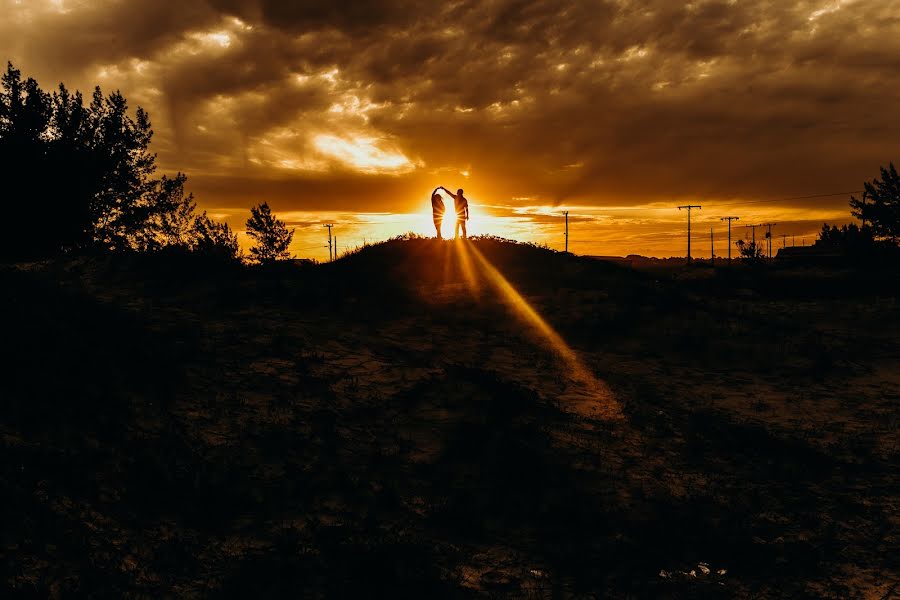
x=440 y=419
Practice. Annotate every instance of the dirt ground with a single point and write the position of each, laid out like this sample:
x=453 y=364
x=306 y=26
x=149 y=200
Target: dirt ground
x=427 y=419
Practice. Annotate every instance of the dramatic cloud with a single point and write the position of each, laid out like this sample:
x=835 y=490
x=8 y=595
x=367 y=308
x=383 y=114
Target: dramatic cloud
x=367 y=105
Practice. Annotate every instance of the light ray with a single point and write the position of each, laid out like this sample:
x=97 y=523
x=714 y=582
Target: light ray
x=599 y=400
x=468 y=270
x=445 y=251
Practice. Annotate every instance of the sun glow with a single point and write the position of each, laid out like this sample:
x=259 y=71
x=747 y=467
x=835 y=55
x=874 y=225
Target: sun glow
x=484 y=221
x=363 y=154
x=220 y=39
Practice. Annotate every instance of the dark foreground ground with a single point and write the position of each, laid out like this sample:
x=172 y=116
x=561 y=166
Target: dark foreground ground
x=388 y=425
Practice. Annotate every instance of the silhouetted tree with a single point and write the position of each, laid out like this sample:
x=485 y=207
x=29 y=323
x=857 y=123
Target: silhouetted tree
x=77 y=175
x=271 y=236
x=25 y=113
x=851 y=239
x=170 y=215
x=121 y=206
x=750 y=251
x=846 y=235
x=879 y=206
x=215 y=239
x=71 y=173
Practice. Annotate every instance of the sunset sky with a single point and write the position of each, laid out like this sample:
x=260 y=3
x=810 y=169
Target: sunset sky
x=351 y=112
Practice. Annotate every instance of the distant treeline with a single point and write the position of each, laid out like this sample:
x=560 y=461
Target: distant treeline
x=878 y=209
x=79 y=175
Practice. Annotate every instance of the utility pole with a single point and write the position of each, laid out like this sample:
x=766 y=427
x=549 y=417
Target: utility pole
x=784 y=240
x=793 y=241
x=335 y=248
x=753 y=239
x=567 y=230
x=753 y=229
x=689 y=207
x=712 y=248
x=729 y=219
x=329 y=226
x=768 y=227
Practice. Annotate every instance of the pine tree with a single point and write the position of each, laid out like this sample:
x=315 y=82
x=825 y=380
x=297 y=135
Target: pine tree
x=169 y=218
x=271 y=236
x=879 y=207
x=215 y=239
x=76 y=176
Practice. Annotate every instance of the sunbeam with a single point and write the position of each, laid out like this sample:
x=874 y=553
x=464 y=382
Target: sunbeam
x=596 y=400
x=468 y=270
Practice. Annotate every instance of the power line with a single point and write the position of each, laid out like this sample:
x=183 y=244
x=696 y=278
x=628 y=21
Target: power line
x=786 y=199
x=333 y=254
x=740 y=203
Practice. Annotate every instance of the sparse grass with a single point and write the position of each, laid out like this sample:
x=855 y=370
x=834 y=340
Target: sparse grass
x=367 y=428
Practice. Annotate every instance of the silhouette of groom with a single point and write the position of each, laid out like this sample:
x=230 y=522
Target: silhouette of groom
x=462 y=210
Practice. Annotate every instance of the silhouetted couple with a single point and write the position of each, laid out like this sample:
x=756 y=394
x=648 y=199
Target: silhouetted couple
x=460 y=204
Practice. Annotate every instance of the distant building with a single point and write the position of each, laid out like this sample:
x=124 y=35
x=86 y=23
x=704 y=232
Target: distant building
x=617 y=260
x=817 y=254
x=302 y=262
